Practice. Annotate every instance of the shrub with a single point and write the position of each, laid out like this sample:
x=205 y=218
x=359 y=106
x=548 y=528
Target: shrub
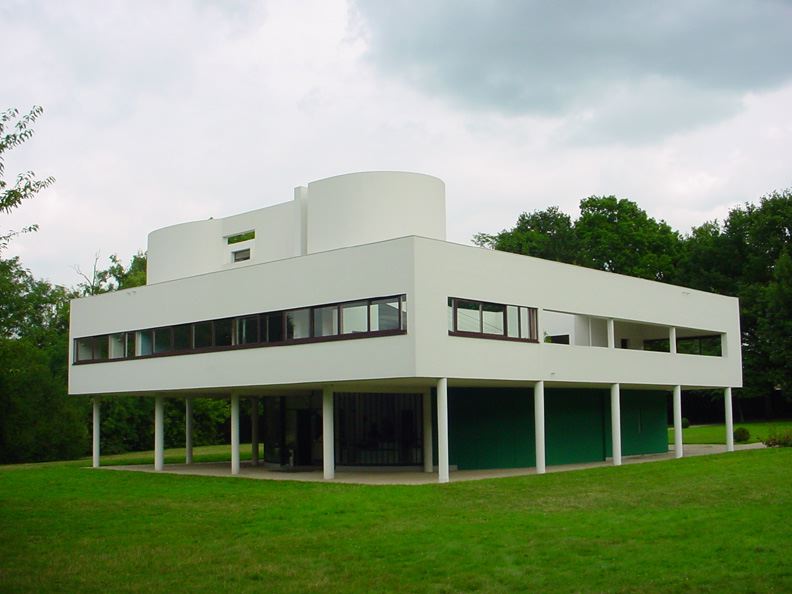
x=779 y=439
x=741 y=435
x=685 y=423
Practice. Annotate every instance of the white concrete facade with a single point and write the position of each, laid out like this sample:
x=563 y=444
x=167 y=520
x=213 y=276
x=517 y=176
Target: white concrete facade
x=367 y=235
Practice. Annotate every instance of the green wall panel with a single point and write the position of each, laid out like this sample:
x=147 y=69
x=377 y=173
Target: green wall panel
x=491 y=428
x=494 y=427
x=643 y=422
x=575 y=425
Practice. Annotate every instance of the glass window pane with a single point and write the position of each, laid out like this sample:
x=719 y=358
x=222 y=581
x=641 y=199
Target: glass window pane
x=145 y=342
x=275 y=327
x=117 y=346
x=247 y=330
x=326 y=321
x=450 y=314
x=182 y=340
x=493 y=316
x=354 y=317
x=404 y=313
x=384 y=314
x=130 y=344
x=241 y=255
x=163 y=340
x=223 y=332
x=525 y=323
x=512 y=321
x=468 y=316
x=101 y=348
x=202 y=335
x=84 y=348
x=298 y=324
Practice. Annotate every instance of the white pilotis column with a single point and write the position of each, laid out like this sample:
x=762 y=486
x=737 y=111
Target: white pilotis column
x=235 y=434
x=96 y=432
x=328 y=434
x=539 y=426
x=254 y=431
x=188 y=430
x=611 y=333
x=442 y=430
x=428 y=452
x=672 y=340
x=727 y=402
x=615 y=393
x=678 y=453
x=159 y=433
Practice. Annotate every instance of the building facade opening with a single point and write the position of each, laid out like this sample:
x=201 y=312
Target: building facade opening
x=370 y=430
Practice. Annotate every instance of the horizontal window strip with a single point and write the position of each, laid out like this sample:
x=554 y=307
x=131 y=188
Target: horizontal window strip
x=361 y=318
x=483 y=319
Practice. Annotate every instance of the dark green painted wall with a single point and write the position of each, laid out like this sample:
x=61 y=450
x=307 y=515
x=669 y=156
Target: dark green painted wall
x=643 y=423
x=494 y=428
x=490 y=428
x=574 y=426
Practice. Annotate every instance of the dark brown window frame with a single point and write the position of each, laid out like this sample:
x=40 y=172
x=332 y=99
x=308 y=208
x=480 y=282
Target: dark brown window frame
x=262 y=318
x=533 y=328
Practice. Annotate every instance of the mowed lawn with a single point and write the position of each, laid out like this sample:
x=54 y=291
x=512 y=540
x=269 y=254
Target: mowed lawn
x=707 y=524
x=759 y=431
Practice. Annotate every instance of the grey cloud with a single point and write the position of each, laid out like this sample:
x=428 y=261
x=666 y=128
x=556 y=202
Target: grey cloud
x=683 y=63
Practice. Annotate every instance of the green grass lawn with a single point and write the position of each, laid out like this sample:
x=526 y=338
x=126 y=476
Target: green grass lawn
x=705 y=524
x=212 y=453
x=717 y=433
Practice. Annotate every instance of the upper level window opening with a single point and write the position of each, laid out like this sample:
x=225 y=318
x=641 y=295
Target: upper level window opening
x=240 y=237
x=241 y=255
x=377 y=316
x=491 y=320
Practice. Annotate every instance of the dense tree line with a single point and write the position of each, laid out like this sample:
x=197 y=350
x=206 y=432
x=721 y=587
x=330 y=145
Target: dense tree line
x=38 y=420
x=746 y=256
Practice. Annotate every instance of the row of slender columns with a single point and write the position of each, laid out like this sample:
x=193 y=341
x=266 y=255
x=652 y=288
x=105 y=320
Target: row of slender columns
x=328 y=435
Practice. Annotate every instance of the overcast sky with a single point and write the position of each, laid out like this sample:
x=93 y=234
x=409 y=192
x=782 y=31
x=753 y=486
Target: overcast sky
x=162 y=112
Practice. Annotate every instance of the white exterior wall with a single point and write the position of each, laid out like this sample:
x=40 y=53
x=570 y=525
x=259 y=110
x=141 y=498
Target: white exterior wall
x=361 y=208
x=428 y=271
x=374 y=270
x=444 y=269
x=336 y=212
x=191 y=279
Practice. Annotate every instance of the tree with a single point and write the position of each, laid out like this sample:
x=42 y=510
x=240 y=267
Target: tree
x=777 y=323
x=115 y=277
x=15 y=130
x=547 y=234
x=616 y=235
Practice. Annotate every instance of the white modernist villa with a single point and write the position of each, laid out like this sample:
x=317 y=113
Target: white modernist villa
x=362 y=338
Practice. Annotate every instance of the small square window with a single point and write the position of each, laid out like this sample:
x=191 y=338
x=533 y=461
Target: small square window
x=240 y=255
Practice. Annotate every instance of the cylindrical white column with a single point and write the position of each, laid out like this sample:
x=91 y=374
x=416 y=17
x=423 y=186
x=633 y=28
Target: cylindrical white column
x=615 y=394
x=188 y=430
x=727 y=401
x=254 y=431
x=672 y=340
x=96 y=431
x=539 y=426
x=159 y=433
x=611 y=333
x=678 y=453
x=234 y=434
x=442 y=430
x=428 y=452
x=328 y=434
